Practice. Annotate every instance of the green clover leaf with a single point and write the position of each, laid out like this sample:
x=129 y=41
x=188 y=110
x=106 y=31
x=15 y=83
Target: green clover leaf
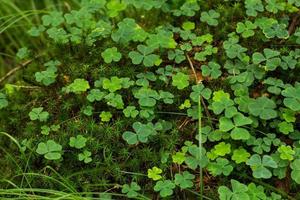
x=270 y=58
x=259 y=166
x=295 y=166
x=165 y=188
x=178 y=158
x=240 y=155
x=212 y=70
x=78 y=142
x=51 y=150
x=276 y=30
x=285 y=127
x=246 y=29
x=85 y=156
x=113 y=84
x=111 y=54
x=196 y=157
x=95 y=95
x=286 y=152
x=263 y=107
x=239 y=191
x=105 y=116
x=147 y=97
x=253 y=6
x=114 y=7
x=200 y=90
x=54 y=18
x=221 y=166
x=144 y=55
x=59 y=35
x=292 y=98
x=180 y=80
x=210 y=17
x=78 y=86
x=130 y=111
x=163 y=39
x=154 y=173
x=274 y=6
x=38 y=114
x=184 y=180
x=114 y=100
x=131 y=190
x=141 y=134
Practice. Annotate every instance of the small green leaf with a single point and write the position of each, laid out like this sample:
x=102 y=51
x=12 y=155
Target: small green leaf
x=111 y=54
x=78 y=142
x=154 y=173
x=180 y=80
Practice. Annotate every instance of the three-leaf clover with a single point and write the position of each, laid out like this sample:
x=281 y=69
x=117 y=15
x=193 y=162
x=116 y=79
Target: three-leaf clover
x=111 y=54
x=270 y=57
x=51 y=150
x=295 y=166
x=54 y=18
x=184 y=180
x=95 y=95
x=85 y=156
x=113 y=84
x=78 y=86
x=286 y=152
x=263 y=107
x=78 y=142
x=253 y=6
x=276 y=30
x=292 y=97
x=285 y=127
x=221 y=166
x=105 y=116
x=259 y=166
x=131 y=190
x=212 y=70
x=246 y=29
x=141 y=134
x=154 y=173
x=240 y=155
x=165 y=188
x=221 y=102
x=147 y=96
x=237 y=132
x=130 y=111
x=239 y=191
x=144 y=55
x=210 y=17
x=38 y=114
x=180 y=80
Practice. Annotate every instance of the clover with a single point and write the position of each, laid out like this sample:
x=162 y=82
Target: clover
x=131 y=190
x=210 y=17
x=144 y=55
x=295 y=174
x=263 y=107
x=259 y=166
x=54 y=19
x=162 y=39
x=85 y=156
x=39 y=114
x=212 y=70
x=253 y=7
x=95 y=95
x=285 y=127
x=246 y=29
x=274 y=6
x=47 y=77
x=240 y=155
x=165 y=188
x=220 y=149
x=51 y=150
x=147 y=97
x=222 y=102
x=141 y=134
x=200 y=90
x=221 y=166
x=195 y=157
x=105 y=116
x=114 y=100
x=113 y=84
x=59 y=35
x=292 y=98
x=111 y=54
x=130 y=111
x=78 y=86
x=184 y=180
x=276 y=30
x=239 y=191
x=237 y=133
x=154 y=173
x=78 y=142
x=286 y=152
x=180 y=80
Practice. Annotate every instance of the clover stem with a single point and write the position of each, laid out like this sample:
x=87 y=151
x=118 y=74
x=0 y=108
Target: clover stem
x=200 y=145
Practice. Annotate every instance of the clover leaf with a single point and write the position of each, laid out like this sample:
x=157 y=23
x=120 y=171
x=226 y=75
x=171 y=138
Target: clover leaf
x=177 y=55
x=147 y=97
x=285 y=127
x=286 y=152
x=246 y=29
x=144 y=55
x=221 y=102
x=78 y=86
x=54 y=18
x=95 y=95
x=36 y=31
x=295 y=174
x=276 y=85
x=253 y=6
x=154 y=173
x=240 y=155
x=270 y=58
x=239 y=191
x=237 y=133
x=178 y=158
x=105 y=116
x=276 y=30
x=59 y=35
x=22 y=53
x=165 y=188
x=47 y=77
x=114 y=7
x=130 y=111
x=220 y=149
x=114 y=100
x=180 y=80
x=111 y=54
x=263 y=107
x=141 y=134
x=196 y=157
x=163 y=39
x=3 y=101
x=184 y=180
x=274 y=6
x=85 y=156
x=259 y=166
x=212 y=70
x=210 y=17
x=256 y=192
x=51 y=150
x=233 y=49
x=113 y=84
x=77 y=142
x=221 y=166
x=292 y=98
x=38 y=114
x=131 y=190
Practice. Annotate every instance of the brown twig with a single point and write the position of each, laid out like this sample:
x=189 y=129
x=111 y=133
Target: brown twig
x=198 y=82
x=294 y=23
x=14 y=70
